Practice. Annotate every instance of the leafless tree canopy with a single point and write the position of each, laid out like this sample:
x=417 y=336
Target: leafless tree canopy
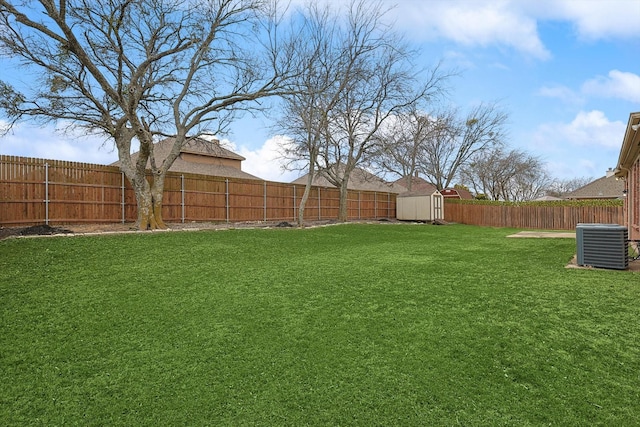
x=143 y=69
x=439 y=143
x=360 y=76
x=561 y=187
x=512 y=175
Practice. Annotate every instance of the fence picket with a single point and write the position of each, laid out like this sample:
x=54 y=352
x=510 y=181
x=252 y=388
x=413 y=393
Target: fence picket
x=555 y=217
x=73 y=192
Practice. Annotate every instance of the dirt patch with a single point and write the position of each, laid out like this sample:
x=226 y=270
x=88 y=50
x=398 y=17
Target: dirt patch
x=34 y=230
x=46 y=230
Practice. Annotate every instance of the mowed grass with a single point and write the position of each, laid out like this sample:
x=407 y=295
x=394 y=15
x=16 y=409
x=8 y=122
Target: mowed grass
x=357 y=324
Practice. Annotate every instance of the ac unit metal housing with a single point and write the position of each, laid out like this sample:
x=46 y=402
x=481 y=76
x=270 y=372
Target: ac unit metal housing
x=602 y=246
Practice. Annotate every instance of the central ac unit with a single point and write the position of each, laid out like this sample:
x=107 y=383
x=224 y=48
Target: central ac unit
x=602 y=246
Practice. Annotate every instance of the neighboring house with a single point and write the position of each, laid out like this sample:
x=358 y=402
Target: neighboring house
x=456 y=193
x=547 y=199
x=418 y=184
x=359 y=180
x=607 y=187
x=201 y=157
x=628 y=171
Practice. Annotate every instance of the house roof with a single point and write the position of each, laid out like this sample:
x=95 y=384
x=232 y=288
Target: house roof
x=630 y=146
x=457 y=192
x=418 y=185
x=359 y=179
x=607 y=187
x=547 y=199
x=418 y=193
x=208 y=150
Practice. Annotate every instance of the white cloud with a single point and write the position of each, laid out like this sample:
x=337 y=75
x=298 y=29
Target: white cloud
x=473 y=24
x=514 y=23
x=584 y=147
x=562 y=93
x=509 y=23
x=587 y=129
x=597 y=19
x=618 y=84
x=488 y=25
x=44 y=142
x=575 y=168
x=265 y=162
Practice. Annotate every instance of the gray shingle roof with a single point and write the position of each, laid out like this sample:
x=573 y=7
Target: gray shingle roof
x=359 y=180
x=215 y=159
x=601 y=188
x=419 y=186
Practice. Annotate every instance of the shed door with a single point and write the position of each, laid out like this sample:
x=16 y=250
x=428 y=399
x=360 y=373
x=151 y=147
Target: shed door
x=437 y=207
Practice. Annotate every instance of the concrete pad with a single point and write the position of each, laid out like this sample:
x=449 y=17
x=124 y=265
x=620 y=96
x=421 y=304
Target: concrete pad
x=546 y=234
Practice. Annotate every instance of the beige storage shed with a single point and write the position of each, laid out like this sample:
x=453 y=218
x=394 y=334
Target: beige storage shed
x=420 y=206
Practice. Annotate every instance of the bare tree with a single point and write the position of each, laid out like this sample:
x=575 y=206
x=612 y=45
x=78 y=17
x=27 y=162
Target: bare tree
x=303 y=116
x=440 y=143
x=400 y=145
x=141 y=70
x=372 y=79
x=561 y=187
x=512 y=175
x=453 y=140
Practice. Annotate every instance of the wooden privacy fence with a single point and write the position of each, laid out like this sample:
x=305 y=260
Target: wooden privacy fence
x=552 y=217
x=37 y=191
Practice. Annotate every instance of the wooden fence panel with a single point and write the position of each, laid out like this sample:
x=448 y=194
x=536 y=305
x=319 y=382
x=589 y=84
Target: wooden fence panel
x=540 y=217
x=281 y=205
x=36 y=191
x=204 y=198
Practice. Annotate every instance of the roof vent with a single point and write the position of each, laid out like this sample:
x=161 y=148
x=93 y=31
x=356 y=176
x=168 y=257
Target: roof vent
x=602 y=246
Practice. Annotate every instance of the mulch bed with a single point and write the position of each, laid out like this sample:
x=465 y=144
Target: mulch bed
x=34 y=230
x=47 y=230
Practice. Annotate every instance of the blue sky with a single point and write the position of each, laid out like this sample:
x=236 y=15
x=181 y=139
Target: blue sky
x=567 y=71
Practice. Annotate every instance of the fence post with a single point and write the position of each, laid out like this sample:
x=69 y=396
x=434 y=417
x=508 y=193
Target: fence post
x=264 y=191
x=227 y=197
x=389 y=205
x=46 y=193
x=294 y=202
x=375 y=205
x=122 y=198
x=319 y=200
x=359 y=204
x=182 y=195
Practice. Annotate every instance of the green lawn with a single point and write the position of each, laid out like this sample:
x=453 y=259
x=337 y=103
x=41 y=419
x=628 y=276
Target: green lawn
x=378 y=324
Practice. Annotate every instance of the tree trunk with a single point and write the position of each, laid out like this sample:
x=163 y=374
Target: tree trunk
x=305 y=195
x=344 y=202
x=149 y=202
x=157 y=192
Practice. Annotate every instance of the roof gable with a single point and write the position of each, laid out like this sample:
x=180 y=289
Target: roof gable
x=201 y=147
x=202 y=157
